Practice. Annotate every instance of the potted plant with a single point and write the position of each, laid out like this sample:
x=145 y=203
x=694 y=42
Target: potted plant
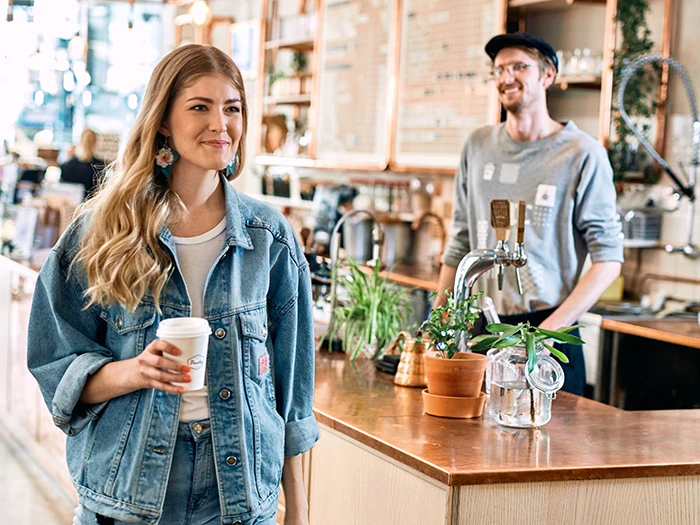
x=454 y=377
x=522 y=378
x=373 y=313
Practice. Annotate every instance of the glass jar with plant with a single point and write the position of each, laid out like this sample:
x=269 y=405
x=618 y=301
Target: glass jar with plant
x=522 y=378
x=374 y=312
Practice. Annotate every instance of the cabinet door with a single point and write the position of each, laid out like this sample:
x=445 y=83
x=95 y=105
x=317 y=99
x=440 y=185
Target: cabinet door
x=5 y=333
x=354 y=98
x=24 y=393
x=444 y=92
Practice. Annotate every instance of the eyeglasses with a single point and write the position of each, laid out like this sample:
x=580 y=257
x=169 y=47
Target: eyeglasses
x=513 y=69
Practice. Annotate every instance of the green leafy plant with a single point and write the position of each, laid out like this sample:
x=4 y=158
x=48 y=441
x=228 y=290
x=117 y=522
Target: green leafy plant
x=374 y=313
x=274 y=75
x=447 y=320
x=642 y=90
x=299 y=62
x=526 y=335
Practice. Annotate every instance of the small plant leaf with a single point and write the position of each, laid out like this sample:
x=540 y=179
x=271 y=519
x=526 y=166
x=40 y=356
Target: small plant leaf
x=557 y=353
x=508 y=341
x=498 y=327
x=567 y=329
x=482 y=342
x=561 y=337
x=531 y=351
x=510 y=331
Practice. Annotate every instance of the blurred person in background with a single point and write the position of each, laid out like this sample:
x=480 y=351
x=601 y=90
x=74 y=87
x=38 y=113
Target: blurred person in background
x=84 y=168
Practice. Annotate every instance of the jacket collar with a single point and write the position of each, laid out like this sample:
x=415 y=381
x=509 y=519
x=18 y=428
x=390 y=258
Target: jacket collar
x=236 y=232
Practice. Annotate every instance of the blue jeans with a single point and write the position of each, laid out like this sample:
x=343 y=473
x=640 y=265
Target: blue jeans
x=192 y=497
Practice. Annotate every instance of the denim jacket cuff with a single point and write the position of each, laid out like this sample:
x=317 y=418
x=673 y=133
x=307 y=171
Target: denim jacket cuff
x=69 y=414
x=300 y=436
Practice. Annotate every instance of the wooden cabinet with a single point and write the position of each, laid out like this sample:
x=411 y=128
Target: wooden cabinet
x=584 y=29
x=397 y=84
x=22 y=407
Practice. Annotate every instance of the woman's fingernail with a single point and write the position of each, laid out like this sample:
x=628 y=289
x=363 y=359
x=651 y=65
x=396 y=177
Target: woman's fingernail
x=181 y=390
x=185 y=368
x=188 y=378
x=176 y=351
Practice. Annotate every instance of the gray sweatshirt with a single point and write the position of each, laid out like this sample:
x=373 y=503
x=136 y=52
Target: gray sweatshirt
x=566 y=180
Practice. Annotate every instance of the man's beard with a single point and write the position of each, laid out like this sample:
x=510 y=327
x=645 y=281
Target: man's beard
x=514 y=107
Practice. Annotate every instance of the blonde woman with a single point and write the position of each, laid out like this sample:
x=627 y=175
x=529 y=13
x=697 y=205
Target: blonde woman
x=167 y=236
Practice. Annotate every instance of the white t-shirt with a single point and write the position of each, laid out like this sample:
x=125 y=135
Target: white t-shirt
x=196 y=256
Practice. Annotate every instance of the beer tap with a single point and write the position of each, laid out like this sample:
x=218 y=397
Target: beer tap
x=477 y=262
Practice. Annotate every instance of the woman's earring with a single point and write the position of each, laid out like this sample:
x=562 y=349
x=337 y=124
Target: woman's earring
x=164 y=160
x=230 y=170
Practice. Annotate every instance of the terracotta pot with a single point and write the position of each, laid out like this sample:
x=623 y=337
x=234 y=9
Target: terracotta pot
x=460 y=376
x=457 y=407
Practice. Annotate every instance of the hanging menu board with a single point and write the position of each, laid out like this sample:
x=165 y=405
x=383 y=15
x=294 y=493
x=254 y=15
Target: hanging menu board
x=443 y=89
x=354 y=81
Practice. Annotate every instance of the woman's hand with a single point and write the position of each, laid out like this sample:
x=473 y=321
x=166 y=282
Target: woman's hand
x=152 y=369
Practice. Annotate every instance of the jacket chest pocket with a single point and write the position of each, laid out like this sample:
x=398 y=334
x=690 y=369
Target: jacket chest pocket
x=127 y=332
x=256 y=358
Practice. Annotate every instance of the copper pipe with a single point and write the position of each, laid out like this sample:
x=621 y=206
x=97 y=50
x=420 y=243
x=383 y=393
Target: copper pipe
x=666 y=34
x=606 y=80
x=316 y=65
x=441 y=226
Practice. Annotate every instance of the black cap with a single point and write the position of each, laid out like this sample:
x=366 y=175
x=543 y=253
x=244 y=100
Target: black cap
x=521 y=40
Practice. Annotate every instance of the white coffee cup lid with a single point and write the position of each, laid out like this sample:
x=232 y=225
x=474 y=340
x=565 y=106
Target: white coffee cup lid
x=183 y=327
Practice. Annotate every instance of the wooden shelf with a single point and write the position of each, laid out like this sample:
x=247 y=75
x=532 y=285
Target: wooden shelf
x=295 y=44
x=641 y=243
x=274 y=160
x=546 y=5
x=582 y=82
x=284 y=202
x=289 y=100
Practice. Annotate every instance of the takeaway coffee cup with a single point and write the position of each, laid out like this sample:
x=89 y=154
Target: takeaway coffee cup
x=191 y=336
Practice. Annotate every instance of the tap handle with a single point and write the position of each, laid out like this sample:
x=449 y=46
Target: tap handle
x=521 y=224
x=500 y=218
x=519 y=280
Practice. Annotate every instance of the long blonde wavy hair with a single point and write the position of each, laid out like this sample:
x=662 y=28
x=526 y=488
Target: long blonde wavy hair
x=120 y=250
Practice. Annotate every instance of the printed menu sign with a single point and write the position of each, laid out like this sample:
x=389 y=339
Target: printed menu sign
x=353 y=104
x=444 y=91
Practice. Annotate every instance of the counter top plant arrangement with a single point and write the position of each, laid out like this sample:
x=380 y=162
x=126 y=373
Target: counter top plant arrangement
x=522 y=379
x=454 y=377
x=373 y=312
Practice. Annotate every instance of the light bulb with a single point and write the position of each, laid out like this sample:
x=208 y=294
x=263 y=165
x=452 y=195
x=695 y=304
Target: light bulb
x=200 y=13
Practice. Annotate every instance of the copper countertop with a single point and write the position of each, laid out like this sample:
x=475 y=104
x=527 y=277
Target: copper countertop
x=584 y=439
x=677 y=331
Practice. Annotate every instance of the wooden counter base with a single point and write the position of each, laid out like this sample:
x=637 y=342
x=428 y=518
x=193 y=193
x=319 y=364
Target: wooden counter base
x=352 y=483
x=382 y=461
x=585 y=440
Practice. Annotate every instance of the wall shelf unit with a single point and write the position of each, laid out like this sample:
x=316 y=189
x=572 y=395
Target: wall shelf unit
x=551 y=20
x=369 y=109
x=579 y=82
x=544 y=5
x=288 y=100
x=295 y=44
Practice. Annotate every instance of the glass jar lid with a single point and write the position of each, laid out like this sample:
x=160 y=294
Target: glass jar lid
x=547 y=376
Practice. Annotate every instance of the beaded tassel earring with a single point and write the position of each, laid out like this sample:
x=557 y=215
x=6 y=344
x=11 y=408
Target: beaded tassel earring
x=230 y=170
x=164 y=160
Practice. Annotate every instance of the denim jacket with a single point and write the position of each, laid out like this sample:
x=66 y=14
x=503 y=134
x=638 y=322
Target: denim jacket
x=260 y=370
